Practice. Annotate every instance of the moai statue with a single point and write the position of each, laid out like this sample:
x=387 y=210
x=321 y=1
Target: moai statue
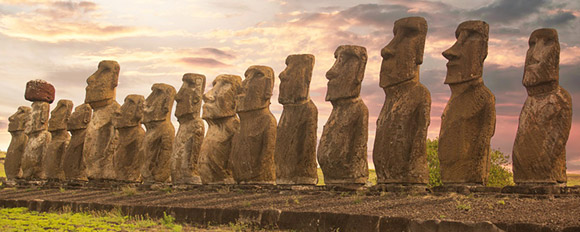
x=158 y=143
x=41 y=94
x=128 y=157
x=342 y=152
x=219 y=111
x=400 y=150
x=187 y=145
x=252 y=156
x=101 y=138
x=295 y=154
x=59 y=117
x=539 y=153
x=468 y=121
x=16 y=126
x=73 y=162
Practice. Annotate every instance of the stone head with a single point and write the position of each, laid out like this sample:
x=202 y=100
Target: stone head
x=60 y=115
x=189 y=96
x=130 y=113
x=220 y=100
x=102 y=85
x=295 y=79
x=39 y=116
x=542 y=58
x=346 y=75
x=19 y=120
x=256 y=89
x=80 y=118
x=403 y=55
x=466 y=56
x=159 y=103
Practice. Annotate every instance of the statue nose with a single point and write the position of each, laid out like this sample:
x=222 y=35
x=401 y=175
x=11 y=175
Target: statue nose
x=451 y=53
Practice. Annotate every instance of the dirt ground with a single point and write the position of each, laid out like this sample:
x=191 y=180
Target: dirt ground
x=556 y=212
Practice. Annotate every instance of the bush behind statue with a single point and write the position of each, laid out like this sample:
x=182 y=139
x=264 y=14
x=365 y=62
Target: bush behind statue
x=499 y=174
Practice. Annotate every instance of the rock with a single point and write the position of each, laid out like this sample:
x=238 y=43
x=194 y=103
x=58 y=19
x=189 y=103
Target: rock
x=187 y=145
x=37 y=144
x=342 y=152
x=158 y=143
x=252 y=156
x=52 y=163
x=468 y=121
x=73 y=161
x=400 y=150
x=16 y=126
x=219 y=111
x=539 y=153
x=39 y=90
x=128 y=157
x=295 y=152
x=101 y=138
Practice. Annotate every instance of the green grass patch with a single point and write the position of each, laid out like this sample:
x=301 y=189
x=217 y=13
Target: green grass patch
x=21 y=219
x=573 y=179
x=2 y=171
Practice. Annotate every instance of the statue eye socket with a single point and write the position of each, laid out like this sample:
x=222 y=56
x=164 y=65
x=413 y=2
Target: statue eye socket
x=548 y=42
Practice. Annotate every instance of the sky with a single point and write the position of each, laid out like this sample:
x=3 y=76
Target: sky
x=155 y=41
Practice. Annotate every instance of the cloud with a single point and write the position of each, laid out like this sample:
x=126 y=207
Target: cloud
x=507 y=11
x=63 y=21
x=203 y=62
x=218 y=53
x=561 y=17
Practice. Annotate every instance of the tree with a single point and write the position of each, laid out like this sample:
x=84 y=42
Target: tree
x=499 y=175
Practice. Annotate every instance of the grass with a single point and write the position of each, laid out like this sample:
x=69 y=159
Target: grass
x=372 y=177
x=21 y=219
x=573 y=179
x=2 y=172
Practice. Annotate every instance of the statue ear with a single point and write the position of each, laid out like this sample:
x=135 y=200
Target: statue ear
x=87 y=117
x=269 y=86
x=44 y=116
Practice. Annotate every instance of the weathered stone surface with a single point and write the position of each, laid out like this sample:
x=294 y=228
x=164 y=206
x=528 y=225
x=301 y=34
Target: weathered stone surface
x=73 y=161
x=252 y=156
x=37 y=144
x=400 y=150
x=468 y=121
x=158 y=143
x=101 y=137
x=187 y=145
x=219 y=111
x=39 y=90
x=539 y=153
x=52 y=163
x=295 y=152
x=342 y=152
x=16 y=126
x=128 y=157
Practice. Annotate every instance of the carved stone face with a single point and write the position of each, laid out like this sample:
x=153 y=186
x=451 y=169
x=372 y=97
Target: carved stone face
x=39 y=116
x=130 y=113
x=80 y=118
x=219 y=101
x=60 y=115
x=189 y=96
x=466 y=56
x=159 y=103
x=347 y=73
x=542 y=58
x=19 y=120
x=256 y=89
x=403 y=55
x=101 y=88
x=295 y=79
